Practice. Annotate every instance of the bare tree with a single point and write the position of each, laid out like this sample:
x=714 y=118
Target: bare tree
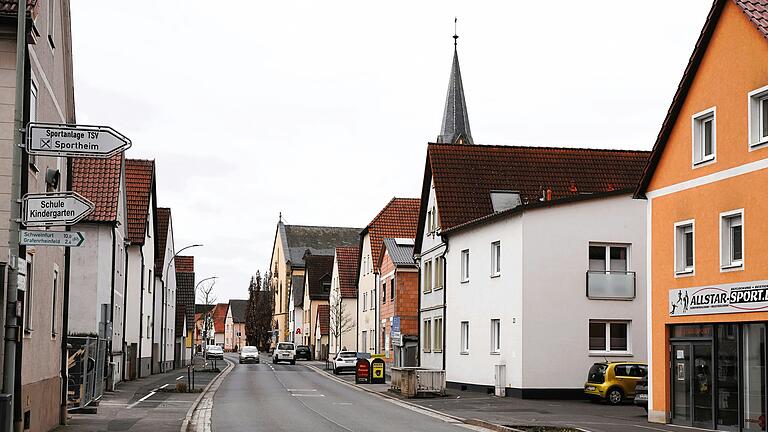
x=206 y=296
x=341 y=320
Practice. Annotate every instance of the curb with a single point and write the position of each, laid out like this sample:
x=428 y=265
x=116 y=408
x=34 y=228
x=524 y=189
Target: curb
x=196 y=403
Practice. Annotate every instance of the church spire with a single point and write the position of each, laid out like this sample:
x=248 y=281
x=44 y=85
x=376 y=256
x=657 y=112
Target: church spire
x=455 y=127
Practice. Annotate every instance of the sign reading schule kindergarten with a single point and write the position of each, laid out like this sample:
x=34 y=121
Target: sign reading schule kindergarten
x=64 y=208
x=718 y=299
x=74 y=140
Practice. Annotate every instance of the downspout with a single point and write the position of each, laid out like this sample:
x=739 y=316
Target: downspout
x=124 y=350
x=376 y=312
x=445 y=288
x=417 y=260
x=152 y=327
x=141 y=315
x=65 y=315
x=112 y=299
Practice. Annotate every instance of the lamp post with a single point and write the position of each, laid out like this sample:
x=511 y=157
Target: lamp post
x=163 y=318
x=205 y=318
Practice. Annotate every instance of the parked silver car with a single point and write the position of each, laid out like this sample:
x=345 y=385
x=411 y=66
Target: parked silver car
x=214 y=352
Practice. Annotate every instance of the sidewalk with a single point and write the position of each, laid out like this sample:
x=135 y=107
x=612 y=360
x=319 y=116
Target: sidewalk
x=142 y=405
x=507 y=411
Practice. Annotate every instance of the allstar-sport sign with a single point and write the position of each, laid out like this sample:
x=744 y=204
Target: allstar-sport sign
x=54 y=209
x=50 y=139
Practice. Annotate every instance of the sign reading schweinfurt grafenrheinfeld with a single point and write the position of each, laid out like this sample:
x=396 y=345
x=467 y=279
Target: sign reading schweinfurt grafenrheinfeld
x=719 y=299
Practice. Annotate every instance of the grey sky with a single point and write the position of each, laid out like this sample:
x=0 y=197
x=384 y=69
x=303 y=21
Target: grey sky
x=322 y=110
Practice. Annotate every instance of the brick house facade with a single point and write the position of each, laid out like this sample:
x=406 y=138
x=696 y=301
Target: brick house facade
x=399 y=301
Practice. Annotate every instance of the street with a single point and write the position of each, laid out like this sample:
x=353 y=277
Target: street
x=283 y=397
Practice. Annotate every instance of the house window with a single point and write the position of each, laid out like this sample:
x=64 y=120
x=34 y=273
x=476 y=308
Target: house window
x=373 y=299
x=326 y=286
x=149 y=281
x=51 y=23
x=33 y=117
x=149 y=328
x=704 y=136
x=496 y=258
x=608 y=257
x=465 y=337
x=392 y=289
x=429 y=222
x=427 y=285
x=437 y=344
x=53 y=302
x=426 y=340
x=371 y=335
x=758 y=117
x=364 y=340
x=495 y=336
x=439 y=271
x=732 y=239
x=365 y=301
x=609 y=336
x=29 y=296
x=384 y=292
x=465 y=265
x=684 y=248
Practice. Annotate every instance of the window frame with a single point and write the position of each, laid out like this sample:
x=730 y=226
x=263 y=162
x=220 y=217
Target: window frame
x=607 y=246
x=438 y=272
x=427 y=277
x=29 y=297
x=54 y=298
x=495 y=336
x=681 y=270
x=496 y=258
x=392 y=289
x=464 y=342
x=608 y=351
x=697 y=122
x=437 y=330
x=365 y=301
x=756 y=140
x=726 y=264
x=465 y=262
x=426 y=341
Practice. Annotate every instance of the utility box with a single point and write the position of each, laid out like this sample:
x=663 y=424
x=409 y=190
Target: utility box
x=500 y=374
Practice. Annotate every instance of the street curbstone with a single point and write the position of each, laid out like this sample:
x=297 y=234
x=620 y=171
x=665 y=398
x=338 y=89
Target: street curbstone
x=188 y=424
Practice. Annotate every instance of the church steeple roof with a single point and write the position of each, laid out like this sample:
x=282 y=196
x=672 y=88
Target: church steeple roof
x=455 y=127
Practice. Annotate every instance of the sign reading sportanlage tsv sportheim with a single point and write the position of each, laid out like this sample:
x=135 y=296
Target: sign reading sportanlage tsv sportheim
x=75 y=140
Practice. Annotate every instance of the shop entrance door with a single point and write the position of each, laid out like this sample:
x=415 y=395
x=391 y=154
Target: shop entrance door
x=692 y=395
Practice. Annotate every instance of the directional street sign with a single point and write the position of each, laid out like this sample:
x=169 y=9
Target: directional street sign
x=52 y=139
x=64 y=208
x=51 y=238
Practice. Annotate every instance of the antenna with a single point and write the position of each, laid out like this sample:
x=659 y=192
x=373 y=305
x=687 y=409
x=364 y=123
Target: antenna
x=455 y=33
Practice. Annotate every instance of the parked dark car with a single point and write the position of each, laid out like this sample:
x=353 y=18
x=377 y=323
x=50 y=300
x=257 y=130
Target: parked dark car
x=303 y=352
x=641 y=393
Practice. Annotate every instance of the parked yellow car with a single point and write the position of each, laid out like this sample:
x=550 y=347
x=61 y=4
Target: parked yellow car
x=614 y=381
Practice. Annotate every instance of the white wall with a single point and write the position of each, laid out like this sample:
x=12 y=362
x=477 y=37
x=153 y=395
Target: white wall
x=558 y=239
x=366 y=316
x=483 y=298
x=431 y=304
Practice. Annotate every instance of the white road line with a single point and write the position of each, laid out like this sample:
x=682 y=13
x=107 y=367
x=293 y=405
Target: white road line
x=342 y=403
x=307 y=395
x=301 y=390
x=164 y=386
x=141 y=400
x=179 y=377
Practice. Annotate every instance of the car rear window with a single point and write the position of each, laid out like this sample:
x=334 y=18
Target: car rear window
x=597 y=373
x=250 y=349
x=347 y=354
x=284 y=346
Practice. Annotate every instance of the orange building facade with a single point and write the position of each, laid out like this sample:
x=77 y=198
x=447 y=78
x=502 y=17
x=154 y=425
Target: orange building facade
x=706 y=185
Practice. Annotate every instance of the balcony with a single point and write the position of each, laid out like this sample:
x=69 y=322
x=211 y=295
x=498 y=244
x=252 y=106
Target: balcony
x=611 y=285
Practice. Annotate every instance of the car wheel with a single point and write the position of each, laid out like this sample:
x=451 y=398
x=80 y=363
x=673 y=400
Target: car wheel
x=241 y=362
x=293 y=362
x=335 y=371
x=614 y=396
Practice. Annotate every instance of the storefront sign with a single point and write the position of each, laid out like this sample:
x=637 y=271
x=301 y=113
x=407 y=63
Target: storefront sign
x=377 y=371
x=363 y=371
x=719 y=299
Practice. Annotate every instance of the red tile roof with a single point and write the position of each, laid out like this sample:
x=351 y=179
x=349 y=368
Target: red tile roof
x=398 y=219
x=184 y=264
x=324 y=318
x=465 y=175
x=348 y=258
x=139 y=180
x=219 y=316
x=757 y=12
x=163 y=220
x=98 y=180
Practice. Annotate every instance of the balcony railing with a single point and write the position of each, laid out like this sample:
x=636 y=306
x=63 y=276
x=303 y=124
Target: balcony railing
x=611 y=285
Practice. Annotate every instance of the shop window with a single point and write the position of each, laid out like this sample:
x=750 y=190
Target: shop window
x=684 y=248
x=754 y=371
x=704 y=137
x=732 y=240
x=609 y=337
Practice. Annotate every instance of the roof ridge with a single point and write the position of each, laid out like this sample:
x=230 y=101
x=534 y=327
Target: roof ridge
x=319 y=226
x=539 y=147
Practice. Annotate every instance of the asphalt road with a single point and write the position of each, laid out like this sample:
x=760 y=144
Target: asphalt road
x=283 y=397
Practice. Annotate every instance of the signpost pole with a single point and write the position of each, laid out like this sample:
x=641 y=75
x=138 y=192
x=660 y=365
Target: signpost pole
x=11 y=321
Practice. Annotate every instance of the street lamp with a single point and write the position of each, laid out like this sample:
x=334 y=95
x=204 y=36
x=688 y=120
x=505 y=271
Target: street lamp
x=163 y=318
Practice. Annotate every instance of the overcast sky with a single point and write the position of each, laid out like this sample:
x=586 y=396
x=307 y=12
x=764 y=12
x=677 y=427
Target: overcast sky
x=322 y=110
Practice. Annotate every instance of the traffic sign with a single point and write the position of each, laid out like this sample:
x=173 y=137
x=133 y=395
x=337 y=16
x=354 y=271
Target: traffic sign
x=55 y=209
x=53 y=139
x=51 y=238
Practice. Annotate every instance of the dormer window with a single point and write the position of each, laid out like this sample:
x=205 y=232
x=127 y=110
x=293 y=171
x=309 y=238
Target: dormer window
x=704 y=137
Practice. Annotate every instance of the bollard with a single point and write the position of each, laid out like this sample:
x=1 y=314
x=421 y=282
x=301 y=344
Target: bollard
x=193 y=378
x=189 y=378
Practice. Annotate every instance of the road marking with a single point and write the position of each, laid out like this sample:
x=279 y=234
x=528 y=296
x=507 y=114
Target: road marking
x=142 y=399
x=307 y=395
x=301 y=390
x=179 y=377
x=342 y=403
x=164 y=386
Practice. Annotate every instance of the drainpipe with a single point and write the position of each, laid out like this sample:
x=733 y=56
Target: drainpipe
x=112 y=299
x=445 y=308
x=124 y=349
x=152 y=327
x=141 y=315
x=65 y=314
